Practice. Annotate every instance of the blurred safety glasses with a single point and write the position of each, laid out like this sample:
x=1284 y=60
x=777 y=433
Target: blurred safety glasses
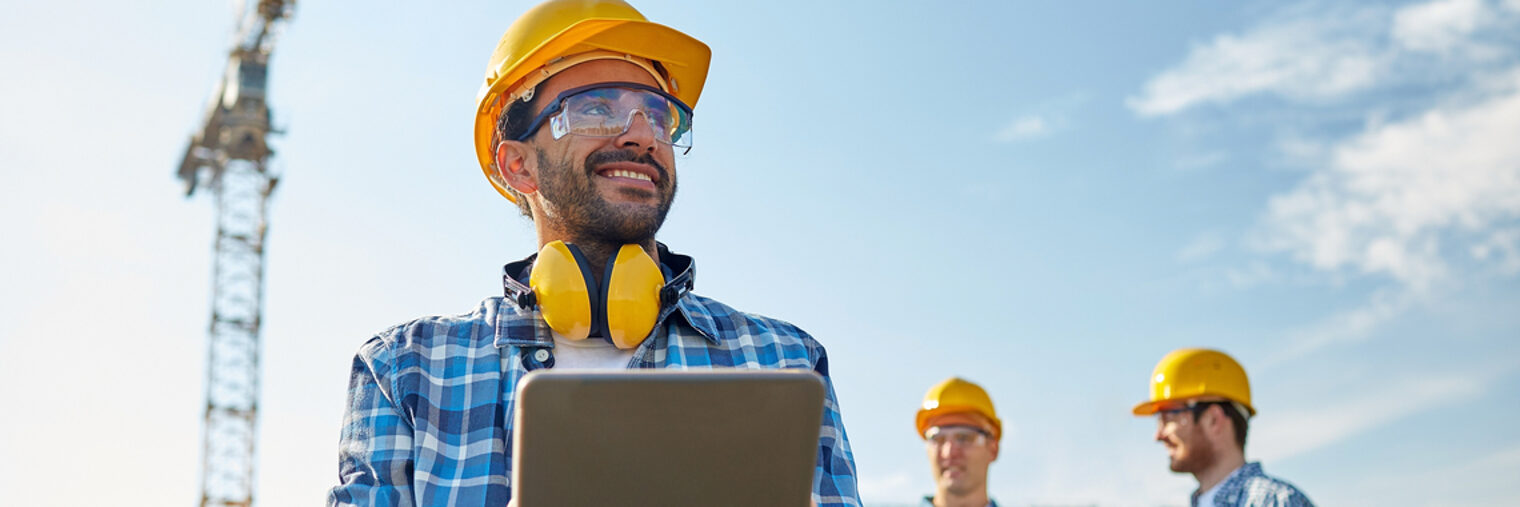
x=609 y=109
x=1174 y=414
x=936 y=437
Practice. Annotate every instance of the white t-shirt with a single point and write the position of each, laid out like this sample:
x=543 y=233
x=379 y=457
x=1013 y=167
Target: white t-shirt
x=589 y=354
x=1207 y=498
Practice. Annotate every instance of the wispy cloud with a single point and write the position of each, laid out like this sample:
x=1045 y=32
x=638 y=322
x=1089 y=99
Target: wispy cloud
x=1440 y=26
x=1042 y=119
x=1503 y=248
x=1283 y=435
x=1348 y=326
x=1391 y=198
x=1316 y=53
x=1024 y=127
x=1201 y=247
x=1306 y=57
x=1251 y=275
x=1423 y=190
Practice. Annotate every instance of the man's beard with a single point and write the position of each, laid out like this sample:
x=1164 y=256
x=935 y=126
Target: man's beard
x=962 y=487
x=586 y=216
x=1200 y=456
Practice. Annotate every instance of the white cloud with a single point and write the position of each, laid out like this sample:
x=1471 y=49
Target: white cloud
x=1024 y=127
x=1282 y=435
x=1253 y=274
x=1391 y=197
x=1316 y=54
x=1044 y=118
x=1300 y=151
x=1311 y=57
x=1201 y=247
x=1502 y=247
x=1439 y=26
x=1348 y=326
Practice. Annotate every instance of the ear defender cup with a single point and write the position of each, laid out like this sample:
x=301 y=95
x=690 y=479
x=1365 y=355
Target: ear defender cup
x=559 y=284
x=632 y=295
x=623 y=307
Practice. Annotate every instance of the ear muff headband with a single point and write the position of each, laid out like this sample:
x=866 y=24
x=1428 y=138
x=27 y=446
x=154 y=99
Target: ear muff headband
x=623 y=307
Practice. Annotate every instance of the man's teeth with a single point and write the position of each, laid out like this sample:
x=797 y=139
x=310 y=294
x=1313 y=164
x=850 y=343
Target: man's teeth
x=621 y=173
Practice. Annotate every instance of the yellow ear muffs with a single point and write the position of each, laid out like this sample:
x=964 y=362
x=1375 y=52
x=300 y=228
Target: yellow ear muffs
x=623 y=307
x=633 y=296
x=559 y=284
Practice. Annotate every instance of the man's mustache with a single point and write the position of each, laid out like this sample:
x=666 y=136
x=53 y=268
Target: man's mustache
x=600 y=158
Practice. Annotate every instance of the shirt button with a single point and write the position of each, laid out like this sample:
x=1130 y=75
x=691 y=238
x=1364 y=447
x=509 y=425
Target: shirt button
x=542 y=355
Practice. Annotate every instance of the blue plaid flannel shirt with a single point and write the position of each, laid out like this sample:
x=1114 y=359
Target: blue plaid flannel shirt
x=430 y=402
x=1249 y=487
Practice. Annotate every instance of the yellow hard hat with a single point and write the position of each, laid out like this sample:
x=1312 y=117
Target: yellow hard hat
x=957 y=396
x=530 y=49
x=1194 y=373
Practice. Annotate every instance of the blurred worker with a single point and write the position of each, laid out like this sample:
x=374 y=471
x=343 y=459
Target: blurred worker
x=584 y=106
x=962 y=431
x=1202 y=404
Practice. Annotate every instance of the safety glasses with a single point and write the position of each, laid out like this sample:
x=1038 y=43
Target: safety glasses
x=609 y=109
x=1174 y=414
x=962 y=436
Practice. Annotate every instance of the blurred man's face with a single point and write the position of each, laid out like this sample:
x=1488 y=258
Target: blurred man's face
x=1187 y=447
x=959 y=457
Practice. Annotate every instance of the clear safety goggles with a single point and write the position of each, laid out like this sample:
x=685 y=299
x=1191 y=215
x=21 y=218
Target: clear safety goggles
x=962 y=436
x=1173 y=414
x=609 y=109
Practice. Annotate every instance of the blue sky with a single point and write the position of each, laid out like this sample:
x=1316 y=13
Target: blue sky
x=1042 y=198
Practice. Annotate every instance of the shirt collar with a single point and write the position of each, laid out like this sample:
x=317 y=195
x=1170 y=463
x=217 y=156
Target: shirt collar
x=1231 y=482
x=929 y=501
x=519 y=322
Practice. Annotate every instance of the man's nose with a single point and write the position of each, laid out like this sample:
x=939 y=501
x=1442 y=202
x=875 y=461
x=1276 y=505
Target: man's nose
x=639 y=134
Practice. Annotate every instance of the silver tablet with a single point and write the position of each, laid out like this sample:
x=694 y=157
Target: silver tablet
x=659 y=438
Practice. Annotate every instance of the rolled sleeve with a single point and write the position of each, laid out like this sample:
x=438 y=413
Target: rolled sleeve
x=834 y=478
x=375 y=451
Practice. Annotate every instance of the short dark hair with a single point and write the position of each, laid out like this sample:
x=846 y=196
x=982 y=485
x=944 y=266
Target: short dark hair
x=512 y=124
x=1234 y=411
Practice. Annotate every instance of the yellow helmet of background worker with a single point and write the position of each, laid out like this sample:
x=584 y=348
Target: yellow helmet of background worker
x=957 y=396
x=537 y=44
x=1196 y=373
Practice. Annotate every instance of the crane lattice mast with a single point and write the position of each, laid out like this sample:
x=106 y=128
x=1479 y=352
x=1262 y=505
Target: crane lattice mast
x=229 y=156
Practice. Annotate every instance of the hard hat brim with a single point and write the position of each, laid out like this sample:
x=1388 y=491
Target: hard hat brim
x=1146 y=408
x=924 y=416
x=683 y=57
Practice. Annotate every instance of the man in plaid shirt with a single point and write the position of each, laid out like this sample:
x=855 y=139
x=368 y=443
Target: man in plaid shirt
x=1202 y=403
x=584 y=105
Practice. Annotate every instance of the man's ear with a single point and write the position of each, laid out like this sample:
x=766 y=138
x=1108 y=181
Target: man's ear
x=1215 y=420
x=515 y=168
x=993 y=448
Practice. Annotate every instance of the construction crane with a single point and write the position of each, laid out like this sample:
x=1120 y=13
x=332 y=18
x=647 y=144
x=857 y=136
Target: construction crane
x=229 y=156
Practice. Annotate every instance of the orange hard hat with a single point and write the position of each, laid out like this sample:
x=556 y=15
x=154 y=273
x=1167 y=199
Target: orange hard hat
x=958 y=397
